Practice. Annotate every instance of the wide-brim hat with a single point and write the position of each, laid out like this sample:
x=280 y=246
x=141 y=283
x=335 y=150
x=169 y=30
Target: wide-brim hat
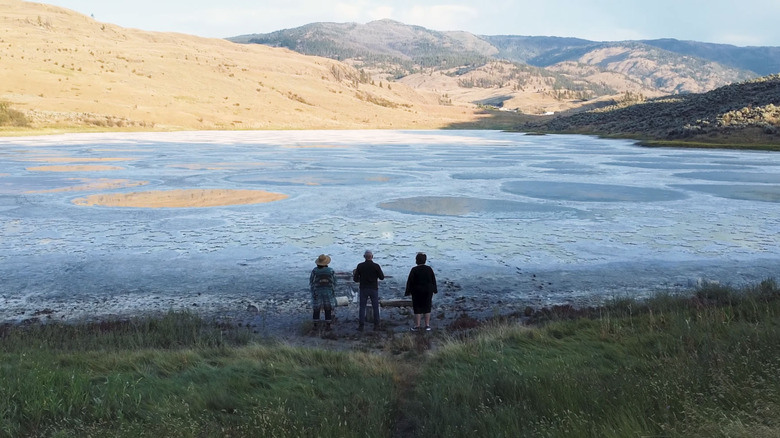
x=323 y=260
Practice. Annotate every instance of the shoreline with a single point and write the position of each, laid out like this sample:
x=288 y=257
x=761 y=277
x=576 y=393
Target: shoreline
x=53 y=290
x=287 y=318
x=289 y=323
x=716 y=143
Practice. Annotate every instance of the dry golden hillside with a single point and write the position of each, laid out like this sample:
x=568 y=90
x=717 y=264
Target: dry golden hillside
x=527 y=89
x=64 y=69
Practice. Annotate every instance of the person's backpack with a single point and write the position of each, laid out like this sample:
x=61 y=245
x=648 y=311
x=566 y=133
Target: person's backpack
x=323 y=279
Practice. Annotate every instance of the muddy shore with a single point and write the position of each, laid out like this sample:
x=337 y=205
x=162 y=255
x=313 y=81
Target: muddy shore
x=461 y=304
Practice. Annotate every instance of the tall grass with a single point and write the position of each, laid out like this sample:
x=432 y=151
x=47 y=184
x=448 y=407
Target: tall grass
x=706 y=365
x=179 y=378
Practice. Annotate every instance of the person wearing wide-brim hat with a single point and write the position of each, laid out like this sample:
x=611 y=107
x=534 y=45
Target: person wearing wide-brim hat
x=322 y=284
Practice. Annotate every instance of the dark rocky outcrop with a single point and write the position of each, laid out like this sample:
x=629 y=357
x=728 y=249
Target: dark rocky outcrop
x=750 y=110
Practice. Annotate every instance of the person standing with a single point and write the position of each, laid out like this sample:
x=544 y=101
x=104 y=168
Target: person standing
x=368 y=275
x=322 y=284
x=421 y=285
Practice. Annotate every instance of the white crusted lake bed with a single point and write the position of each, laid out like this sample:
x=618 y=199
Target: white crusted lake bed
x=507 y=220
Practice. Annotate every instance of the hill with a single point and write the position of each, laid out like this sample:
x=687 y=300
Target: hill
x=60 y=68
x=743 y=113
x=661 y=70
x=382 y=42
x=761 y=60
x=533 y=75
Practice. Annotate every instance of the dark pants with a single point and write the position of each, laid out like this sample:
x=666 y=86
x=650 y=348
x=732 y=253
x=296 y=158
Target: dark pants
x=365 y=294
x=328 y=312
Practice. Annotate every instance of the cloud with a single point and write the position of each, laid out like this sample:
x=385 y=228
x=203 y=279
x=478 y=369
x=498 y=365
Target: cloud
x=231 y=21
x=352 y=11
x=440 y=17
x=360 y=12
x=381 y=12
x=754 y=22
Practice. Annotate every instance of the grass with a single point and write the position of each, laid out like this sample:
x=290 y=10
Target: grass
x=673 y=366
x=746 y=142
x=725 y=144
x=707 y=366
x=182 y=377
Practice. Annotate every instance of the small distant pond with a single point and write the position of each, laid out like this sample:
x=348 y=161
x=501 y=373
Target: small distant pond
x=475 y=207
x=588 y=192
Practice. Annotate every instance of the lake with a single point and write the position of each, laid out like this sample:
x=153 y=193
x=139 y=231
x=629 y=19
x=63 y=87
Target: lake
x=503 y=217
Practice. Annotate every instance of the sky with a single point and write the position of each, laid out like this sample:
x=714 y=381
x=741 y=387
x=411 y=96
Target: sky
x=742 y=23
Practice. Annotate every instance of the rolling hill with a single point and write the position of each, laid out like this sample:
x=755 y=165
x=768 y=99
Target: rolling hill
x=530 y=74
x=63 y=69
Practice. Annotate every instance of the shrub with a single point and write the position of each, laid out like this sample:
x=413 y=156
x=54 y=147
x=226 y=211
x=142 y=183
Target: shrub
x=11 y=117
x=716 y=294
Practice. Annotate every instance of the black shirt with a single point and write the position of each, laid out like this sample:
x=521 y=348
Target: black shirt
x=367 y=273
x=421 y=281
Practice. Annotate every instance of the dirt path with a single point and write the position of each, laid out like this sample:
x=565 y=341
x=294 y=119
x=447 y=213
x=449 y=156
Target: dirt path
x=406 y=378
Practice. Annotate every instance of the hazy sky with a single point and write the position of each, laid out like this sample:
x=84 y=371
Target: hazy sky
x=742 y=23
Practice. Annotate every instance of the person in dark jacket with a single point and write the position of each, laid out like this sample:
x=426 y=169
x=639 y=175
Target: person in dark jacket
x=322 y=284
x=421 y=285
x=367 y=274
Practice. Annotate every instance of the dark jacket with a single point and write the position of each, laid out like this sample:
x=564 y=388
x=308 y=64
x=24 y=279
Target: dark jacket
x=368 y=273
x=421 y=281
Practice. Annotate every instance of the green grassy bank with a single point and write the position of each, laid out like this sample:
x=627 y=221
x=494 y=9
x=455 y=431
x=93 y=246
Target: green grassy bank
x=706 y=365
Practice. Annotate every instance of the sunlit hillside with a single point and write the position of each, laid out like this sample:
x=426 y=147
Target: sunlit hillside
x=61 y=68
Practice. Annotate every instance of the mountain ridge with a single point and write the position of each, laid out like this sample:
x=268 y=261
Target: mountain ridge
x=393 y=50
x=763 y=60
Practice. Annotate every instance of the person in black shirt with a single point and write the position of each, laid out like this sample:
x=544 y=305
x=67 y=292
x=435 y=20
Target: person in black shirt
x=368 y=273
x=421 y=285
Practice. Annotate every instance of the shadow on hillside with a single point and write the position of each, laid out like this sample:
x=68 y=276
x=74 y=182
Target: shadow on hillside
x=513 y=121
x=500 y=120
